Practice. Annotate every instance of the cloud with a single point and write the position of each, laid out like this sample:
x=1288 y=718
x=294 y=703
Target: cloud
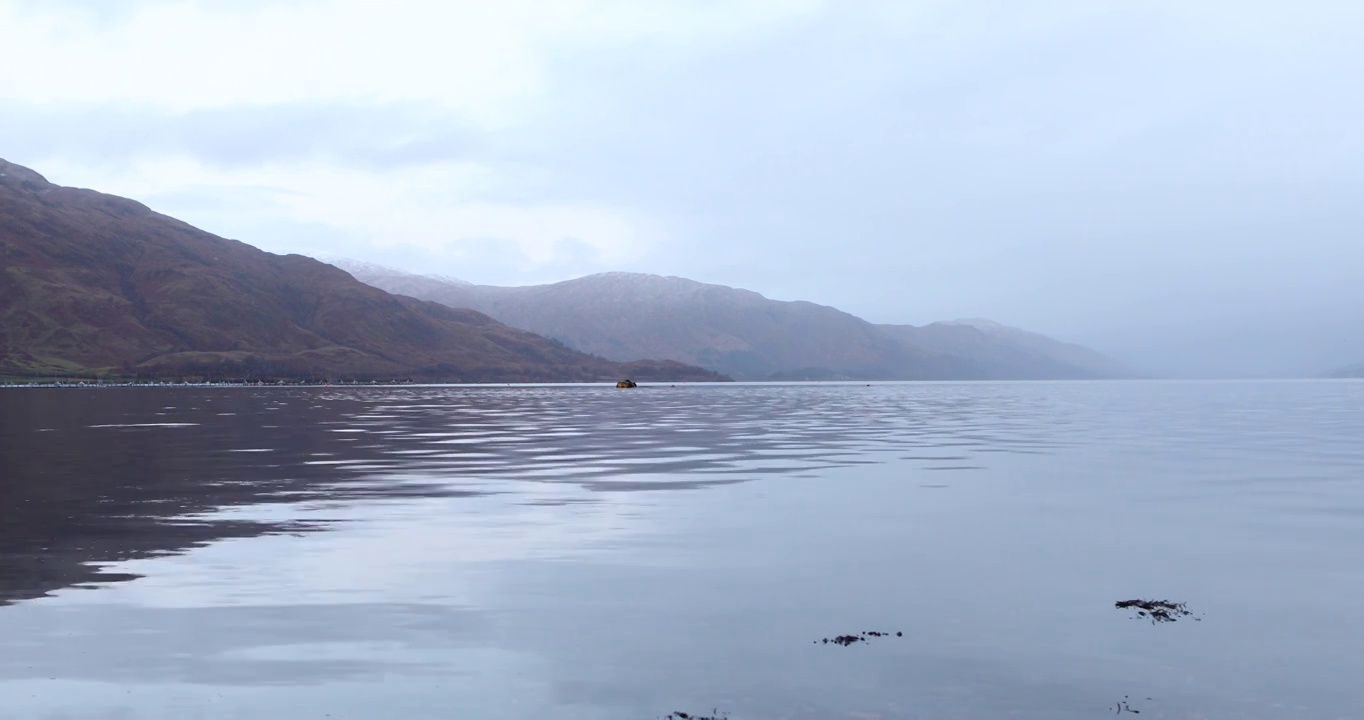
x=428 y=211
x=1096 y=171
x=375 y=126
x=362 y=136
x=483 y=61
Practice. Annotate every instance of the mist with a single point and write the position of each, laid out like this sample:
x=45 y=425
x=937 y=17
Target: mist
x=1173 y=184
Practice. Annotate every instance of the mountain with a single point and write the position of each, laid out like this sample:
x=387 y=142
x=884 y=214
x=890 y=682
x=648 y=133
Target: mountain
x=97 y=284
x=402 y=282
x=745 y=335
x=1353 y=371
x=737 y=332
x=1003 y=352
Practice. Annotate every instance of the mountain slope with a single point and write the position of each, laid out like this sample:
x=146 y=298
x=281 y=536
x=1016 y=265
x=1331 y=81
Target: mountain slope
x=96 y=283
x=384 y=277
x=748 y=336
x=737 y=332
x=1003 y=352
x=1352 y=371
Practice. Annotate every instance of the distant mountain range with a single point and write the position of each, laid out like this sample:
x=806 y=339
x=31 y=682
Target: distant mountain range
x=747 y=336
x=1003 y=352
x=92 y=284
x=1353 y=371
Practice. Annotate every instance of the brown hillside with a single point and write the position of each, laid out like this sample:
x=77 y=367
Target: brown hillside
x=96 y=283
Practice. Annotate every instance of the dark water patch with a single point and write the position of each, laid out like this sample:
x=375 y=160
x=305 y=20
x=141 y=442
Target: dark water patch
x=111 y=487
x=106 y=578
x=359 y=492
x=653 y=485
x=558 y=502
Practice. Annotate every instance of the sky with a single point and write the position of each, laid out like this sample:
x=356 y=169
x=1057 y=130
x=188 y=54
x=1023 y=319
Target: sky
x=1174 y=183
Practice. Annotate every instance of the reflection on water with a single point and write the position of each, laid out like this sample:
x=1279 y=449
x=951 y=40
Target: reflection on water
x=117 y=474
x=576 y=552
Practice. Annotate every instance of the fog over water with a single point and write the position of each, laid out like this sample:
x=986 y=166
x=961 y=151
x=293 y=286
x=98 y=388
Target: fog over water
x=1172 y=183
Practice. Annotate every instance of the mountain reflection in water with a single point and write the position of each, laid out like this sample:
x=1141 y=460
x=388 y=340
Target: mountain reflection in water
x=569 y=551
x=118 y=474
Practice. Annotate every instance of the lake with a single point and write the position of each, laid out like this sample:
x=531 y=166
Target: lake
x=585 y=552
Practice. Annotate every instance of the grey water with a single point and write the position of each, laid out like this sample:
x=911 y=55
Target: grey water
x=586 y=552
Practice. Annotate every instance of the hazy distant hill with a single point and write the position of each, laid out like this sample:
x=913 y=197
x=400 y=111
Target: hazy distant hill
x=1004 y=352
x=1353 y=371
x=746 y=335
x=92 y=283
x=737 y=332
x=400 y=282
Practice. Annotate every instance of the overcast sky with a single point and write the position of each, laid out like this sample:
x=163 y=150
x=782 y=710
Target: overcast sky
x=1180 y=184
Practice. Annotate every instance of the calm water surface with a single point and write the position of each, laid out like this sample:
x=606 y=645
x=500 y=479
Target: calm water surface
x=575 y=552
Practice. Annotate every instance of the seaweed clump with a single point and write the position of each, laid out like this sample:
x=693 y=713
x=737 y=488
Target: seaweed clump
x=1157 y=611
x=846 y=640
